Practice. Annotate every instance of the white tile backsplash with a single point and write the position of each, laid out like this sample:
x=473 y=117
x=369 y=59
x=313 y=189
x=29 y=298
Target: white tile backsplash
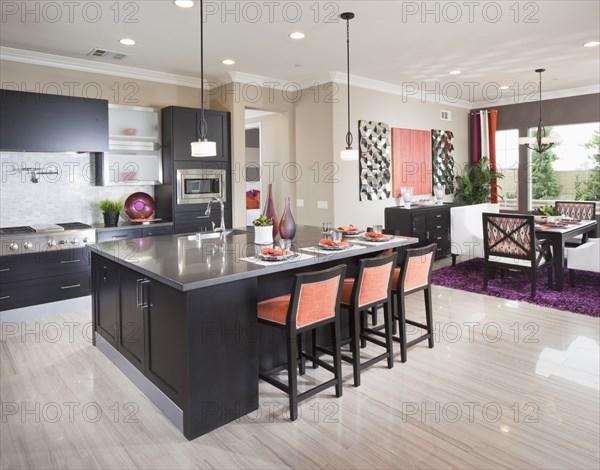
x=70 y=196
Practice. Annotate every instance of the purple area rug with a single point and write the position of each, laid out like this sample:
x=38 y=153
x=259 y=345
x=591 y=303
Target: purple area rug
x=468 y=276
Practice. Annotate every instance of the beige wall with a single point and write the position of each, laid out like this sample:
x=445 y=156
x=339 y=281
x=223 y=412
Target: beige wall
x=397 y=112
x=117 y=90
x=236 y=98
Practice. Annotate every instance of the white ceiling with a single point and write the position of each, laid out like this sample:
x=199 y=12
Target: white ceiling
x=388 y=43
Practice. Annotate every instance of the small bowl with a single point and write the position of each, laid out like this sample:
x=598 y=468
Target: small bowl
x=541 y=219
x=130 y=131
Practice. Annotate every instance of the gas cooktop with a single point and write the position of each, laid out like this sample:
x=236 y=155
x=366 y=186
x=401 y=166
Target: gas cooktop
x=44 y=228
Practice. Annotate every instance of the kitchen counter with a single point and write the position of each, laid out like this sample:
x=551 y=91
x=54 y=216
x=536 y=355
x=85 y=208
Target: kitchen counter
x=130 y=225
x=179 y=318
x=180 y=262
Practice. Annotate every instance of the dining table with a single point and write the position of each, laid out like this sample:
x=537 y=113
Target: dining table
x=558 y=236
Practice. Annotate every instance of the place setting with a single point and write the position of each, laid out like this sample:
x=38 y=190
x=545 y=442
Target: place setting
x=275 y=253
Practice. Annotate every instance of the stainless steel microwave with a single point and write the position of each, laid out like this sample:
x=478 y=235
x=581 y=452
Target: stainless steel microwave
x=200 y=186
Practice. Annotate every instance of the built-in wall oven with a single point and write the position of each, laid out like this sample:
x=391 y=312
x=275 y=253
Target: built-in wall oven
x=199 y=186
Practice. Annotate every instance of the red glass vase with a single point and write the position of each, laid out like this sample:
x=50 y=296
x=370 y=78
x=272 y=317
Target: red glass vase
x=270 y=211
x=287 y=225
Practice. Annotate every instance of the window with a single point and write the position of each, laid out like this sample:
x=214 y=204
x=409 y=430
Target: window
x=569 y=170
x=507 y=163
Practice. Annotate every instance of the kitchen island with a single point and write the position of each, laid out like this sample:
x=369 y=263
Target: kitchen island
x=178 y=317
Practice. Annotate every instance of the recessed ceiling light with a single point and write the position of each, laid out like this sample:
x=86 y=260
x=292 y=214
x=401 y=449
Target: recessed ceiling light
x=298 y=35
x=504 y=87
x=592 y=44
x=228 y=62
x=455 y=72
x=184 y=3
x=127 y=42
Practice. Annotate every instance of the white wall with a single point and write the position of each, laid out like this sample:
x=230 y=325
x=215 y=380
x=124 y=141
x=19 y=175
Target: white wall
x=397 y=112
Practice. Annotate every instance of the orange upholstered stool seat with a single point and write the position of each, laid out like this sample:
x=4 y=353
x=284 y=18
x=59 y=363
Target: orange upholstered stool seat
x=275 y=309
x=315 y=302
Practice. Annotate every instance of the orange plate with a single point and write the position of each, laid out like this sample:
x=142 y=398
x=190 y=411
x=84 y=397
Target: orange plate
x=375 y=235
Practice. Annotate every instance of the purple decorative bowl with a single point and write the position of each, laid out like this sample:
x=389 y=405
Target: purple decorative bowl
x=139 y=206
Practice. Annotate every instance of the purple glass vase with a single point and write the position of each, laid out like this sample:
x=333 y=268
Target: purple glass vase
x=270 y=211
x=287 y=225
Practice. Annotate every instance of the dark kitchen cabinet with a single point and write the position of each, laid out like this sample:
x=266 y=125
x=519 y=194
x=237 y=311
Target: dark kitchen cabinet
x=43 y=277
x=145 y=321
x=430 y=224
x=37 y=122
x=184 y=127
x=133 y=294
x=106 y=286
x=179 y=130
x=135 y=232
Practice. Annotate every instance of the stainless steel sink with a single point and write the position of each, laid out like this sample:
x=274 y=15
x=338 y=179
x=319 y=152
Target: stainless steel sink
x=213 y=235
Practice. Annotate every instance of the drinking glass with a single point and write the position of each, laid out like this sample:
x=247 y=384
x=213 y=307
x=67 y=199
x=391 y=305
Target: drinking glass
x=378 y=228
x=337 y=236
x=326 y=226
x=440 y=192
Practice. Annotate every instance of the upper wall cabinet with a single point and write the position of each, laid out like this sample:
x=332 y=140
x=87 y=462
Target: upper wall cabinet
x=135 y=152
x=37 y=122
x=181 y=128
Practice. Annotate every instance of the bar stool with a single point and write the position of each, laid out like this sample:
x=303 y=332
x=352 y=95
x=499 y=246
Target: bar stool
x=315 y=302
x=371 y=289
x=413 y=276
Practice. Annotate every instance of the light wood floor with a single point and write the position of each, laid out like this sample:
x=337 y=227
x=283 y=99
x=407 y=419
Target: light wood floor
x=527 y=399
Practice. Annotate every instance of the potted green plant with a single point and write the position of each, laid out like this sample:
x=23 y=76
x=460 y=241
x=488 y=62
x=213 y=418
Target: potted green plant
x=475 y=185
x=263 y=230
x=111 y=211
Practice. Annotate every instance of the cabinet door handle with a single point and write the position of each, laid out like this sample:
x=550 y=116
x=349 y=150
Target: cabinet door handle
x=105 y=271
x=138 y=293
x=114 y=237
x=5 y=297
x=439 y=216
x=71 y=287
x=427 y=235
x=149 y=234
x=4 y=270
x=438 y=226
x=145 y=293
x=202 y=217
x=70 y=262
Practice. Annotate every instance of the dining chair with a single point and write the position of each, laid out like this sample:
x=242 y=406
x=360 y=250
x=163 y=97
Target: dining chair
x=585 y=257
x=510 y=243
x=315 y=302
x=582 y=210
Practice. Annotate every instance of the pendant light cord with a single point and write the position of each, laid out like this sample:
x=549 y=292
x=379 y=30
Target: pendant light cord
x=349 y=137
x=202 y=126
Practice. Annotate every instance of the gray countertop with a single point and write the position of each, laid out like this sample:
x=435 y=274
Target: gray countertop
x=180 y=262
x=130 y=225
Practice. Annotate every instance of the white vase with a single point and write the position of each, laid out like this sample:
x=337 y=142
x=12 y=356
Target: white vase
x=263 y=235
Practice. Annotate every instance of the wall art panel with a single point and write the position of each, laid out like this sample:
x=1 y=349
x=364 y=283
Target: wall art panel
x=375 y=161
x=411 y=161
x=443 y=159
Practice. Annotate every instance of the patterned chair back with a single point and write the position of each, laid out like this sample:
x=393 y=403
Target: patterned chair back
x=509 y=236
x=577 y=209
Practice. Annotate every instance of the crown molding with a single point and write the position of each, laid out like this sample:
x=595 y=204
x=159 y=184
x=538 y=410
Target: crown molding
x=84 y=65
x=548 y=95
x=91 y=66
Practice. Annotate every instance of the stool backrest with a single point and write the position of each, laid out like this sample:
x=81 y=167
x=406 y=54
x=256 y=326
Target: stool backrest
x=374 y=281
x=416 y=269
x=316 y=296
x=576 y=209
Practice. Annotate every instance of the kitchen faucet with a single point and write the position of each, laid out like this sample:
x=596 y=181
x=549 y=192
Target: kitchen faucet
x=208 y=209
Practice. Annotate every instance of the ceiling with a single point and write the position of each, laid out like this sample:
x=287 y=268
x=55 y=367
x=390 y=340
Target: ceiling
x=391 y=41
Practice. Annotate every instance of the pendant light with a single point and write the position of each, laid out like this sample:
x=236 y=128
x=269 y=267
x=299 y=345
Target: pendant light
x=348 y=154
x=203 y=148
x=541 y=142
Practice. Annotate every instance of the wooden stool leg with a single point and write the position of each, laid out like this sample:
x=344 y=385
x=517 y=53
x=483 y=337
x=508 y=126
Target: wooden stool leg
x=314 y=347
x=355 y=343
x=292 y=375
x=363 y=325
x=374 y=315
x=429 y=315
x=402 y=327
x=337 y=356
x=302 y=362
x=394 y=314
x=389 y=340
